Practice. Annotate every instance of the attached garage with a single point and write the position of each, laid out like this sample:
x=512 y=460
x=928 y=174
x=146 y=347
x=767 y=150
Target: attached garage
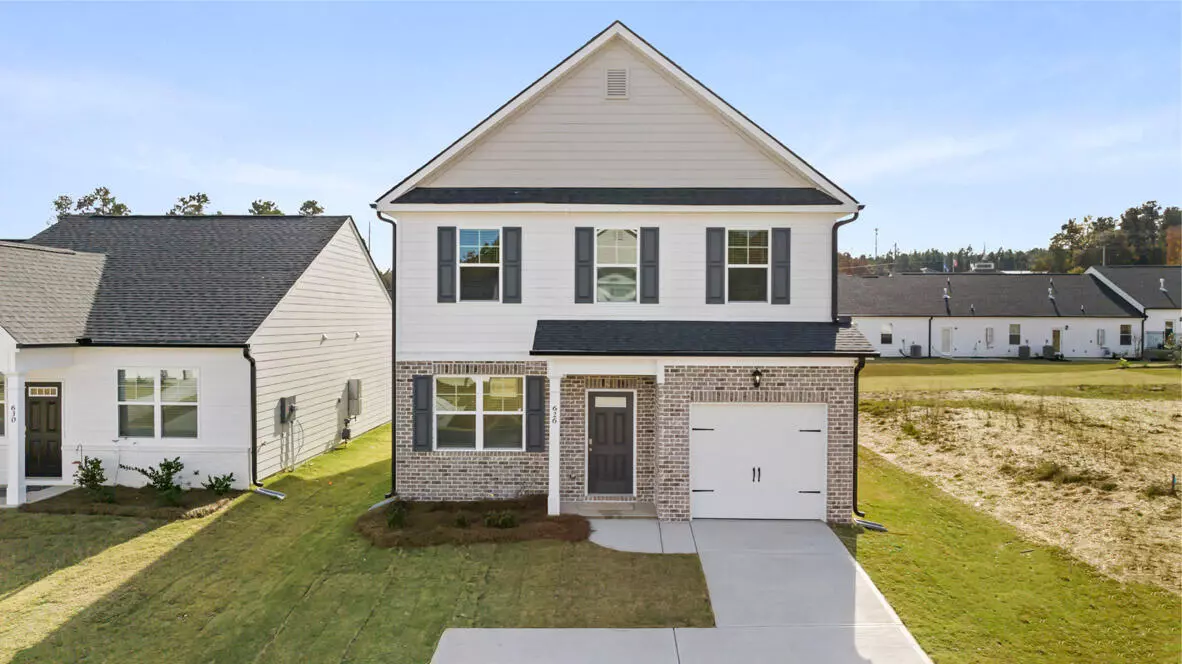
x=758 y=460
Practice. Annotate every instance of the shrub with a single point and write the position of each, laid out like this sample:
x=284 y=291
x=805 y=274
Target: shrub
x=1124 y=363
x=910 y=429
x=163 y=479
x=1161 y=489
x=463 y=520
x=219 y=485
x=500 y=519
x=90 y=476
x=397 y=513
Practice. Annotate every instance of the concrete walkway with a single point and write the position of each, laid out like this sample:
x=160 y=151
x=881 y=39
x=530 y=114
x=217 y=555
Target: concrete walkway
x=782 y=591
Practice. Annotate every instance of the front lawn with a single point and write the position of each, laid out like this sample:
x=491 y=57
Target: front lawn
x=280 y=581
x=1104 y=379
x=972 y=589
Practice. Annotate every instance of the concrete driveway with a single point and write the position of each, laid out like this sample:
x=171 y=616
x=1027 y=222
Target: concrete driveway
x=782 y=591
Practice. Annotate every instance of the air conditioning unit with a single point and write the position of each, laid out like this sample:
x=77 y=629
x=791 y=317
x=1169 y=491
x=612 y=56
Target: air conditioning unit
x=916 y=351
x=1023 y=352
x=1048 y=352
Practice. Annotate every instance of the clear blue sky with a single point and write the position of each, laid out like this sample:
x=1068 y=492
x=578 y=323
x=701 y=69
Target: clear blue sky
x=955 y=123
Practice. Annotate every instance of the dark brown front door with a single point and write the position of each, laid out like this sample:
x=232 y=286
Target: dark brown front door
x=43 y=430
x=609 y=442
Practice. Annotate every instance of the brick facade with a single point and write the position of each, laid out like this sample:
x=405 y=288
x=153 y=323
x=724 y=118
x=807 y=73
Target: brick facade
x=463 y=474
x=662 y=433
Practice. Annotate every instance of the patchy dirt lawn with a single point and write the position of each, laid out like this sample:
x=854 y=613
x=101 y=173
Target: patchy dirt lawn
x=1089 y=475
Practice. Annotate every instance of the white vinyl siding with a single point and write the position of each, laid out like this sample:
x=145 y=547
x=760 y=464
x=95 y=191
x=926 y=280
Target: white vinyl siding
x=574 y=136
x=333 y=325
x=989 y=336
x=433 y=330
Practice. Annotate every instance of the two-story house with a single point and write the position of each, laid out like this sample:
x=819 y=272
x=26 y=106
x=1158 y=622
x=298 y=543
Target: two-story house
x=619 y=288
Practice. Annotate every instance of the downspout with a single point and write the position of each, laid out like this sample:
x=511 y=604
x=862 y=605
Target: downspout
x=833 y=270
x=393 y=351
x=857 y=370
x=930 y=336
x=254 y=416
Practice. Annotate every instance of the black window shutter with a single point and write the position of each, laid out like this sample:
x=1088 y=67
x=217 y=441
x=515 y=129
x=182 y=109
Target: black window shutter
x=511 y=265
x=715 y=266
x=584 y=265
x=781 y=265
x=650 y=270
x=446 y=249
x=421 y=401
x=535 y=413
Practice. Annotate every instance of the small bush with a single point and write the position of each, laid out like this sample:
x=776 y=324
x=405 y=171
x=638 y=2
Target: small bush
x=220 y=485
x=163 y=479
x=910 y=429
x=1124 y=363
x=463 y=520
x=397 y=513
x=1158 y=489
x=500 y=519
x=90 y=476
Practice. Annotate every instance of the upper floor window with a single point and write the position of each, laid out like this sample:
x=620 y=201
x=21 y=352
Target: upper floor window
x=480 y=264
x=473 y=413
x=617 y=255
x=1015 y=334
x=746 y=265
x=157 y=404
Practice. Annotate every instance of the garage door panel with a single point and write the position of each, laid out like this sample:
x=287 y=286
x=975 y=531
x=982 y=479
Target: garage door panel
x=758 y=461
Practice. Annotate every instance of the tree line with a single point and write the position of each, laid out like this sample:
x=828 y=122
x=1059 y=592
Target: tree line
x=1146 y=234
x=102 y=202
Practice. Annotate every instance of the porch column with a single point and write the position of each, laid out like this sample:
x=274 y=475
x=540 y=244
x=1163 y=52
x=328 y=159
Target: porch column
x=14 y=428
x=554 y=443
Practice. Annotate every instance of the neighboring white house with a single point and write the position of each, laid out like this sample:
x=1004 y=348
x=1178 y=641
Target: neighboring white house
x=133 y=339
x=1156 y=292
x=619 y=288
x=990 y=315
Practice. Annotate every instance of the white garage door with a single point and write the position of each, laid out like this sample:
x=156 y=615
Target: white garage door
x=758 y=461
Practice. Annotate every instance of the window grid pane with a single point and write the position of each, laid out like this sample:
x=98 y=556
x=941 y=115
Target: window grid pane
x=480 y=246
x=616 y=284
x=455 y=394
x=616 y=246
x=178 y=385
x=178 y=421
x=137 y=421
x=503 y=395
x=135 y=385
x=480 y=283
x=745 y=284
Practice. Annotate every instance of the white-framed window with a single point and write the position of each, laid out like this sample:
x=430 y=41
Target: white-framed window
x=989 y=337
x=1015 y=334
x=887 y=335
x=1126 y=335
x=617 y=264
x=480 y=264
x=479 y=413
x=3 y=413
x=157 y=403
x=747 y=258
x=1101 y=336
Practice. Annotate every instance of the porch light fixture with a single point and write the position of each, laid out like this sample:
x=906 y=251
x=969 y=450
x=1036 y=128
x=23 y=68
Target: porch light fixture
x=756 y=378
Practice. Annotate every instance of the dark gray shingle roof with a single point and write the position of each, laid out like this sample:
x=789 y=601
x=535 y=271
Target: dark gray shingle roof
x=755 y=196
x=206 y=280
x=1143 y=283
x=697 y=338
x=979 y=295
x=46 y=293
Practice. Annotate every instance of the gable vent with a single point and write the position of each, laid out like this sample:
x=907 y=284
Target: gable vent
x=616 y=85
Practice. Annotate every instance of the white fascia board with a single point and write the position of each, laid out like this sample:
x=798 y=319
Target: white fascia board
x=1108 y=282
x=835 y=210
x=618 y=30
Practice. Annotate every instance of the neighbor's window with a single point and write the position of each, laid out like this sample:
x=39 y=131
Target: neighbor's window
x=888 y=334
x=1015 y=334
x=1126 y=335
x=148 y=396
x=989 y=337
x=617 y=252
x=746 y=266
x=1100 y=337
x=479 y=413
x=480 y=264
x=3 y=413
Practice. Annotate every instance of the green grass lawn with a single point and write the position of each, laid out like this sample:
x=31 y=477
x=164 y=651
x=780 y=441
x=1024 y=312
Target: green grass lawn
x=271 y=581
x=971 y=589
x=1080 y=379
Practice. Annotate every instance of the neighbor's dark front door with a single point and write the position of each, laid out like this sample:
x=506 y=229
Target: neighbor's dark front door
x=43 y=430
x=609 y=442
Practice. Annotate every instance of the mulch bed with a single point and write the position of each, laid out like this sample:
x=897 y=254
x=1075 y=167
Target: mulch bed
x=141 y=502
x=433 y=524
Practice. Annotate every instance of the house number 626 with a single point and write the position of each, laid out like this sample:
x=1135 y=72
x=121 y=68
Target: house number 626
x=553 y=414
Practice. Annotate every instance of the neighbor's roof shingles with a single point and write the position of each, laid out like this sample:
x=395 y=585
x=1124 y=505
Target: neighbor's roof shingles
x=207 y=280
x=1002 y=295
x=46 y=293
x=1143 y=283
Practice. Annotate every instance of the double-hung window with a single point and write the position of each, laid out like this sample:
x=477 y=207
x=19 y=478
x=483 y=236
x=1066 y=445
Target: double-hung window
x=617 y=255
x=1015 y=334
x=475 y=413
x=1126 y=335
x=157 y=403
x=746 y=265
x=3 y=413
x=480 y=264
x=887 y=336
